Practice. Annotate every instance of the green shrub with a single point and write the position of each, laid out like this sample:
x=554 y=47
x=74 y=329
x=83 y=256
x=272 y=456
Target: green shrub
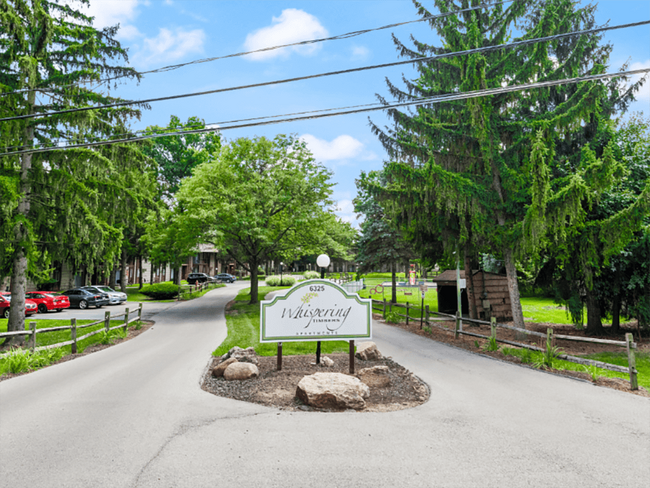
x=18 y=360
x=275 y=281
x=393 y=318
x=260 y=277
x=160 y=291
x=312 y=275
x=491 y=345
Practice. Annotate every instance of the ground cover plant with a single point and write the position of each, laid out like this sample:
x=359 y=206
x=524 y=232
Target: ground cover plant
x=243 y=322
x=17 y=360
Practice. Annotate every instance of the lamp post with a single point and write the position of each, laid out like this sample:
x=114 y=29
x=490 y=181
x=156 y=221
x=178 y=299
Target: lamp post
x=323 y=261
x=281 y=264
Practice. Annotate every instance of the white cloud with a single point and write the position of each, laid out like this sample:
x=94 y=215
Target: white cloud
x=170 y=46
x=343 y=147
x=644 y=92
x=111 y=13
x=292 y=25
x=360 y=52
x=345 y=211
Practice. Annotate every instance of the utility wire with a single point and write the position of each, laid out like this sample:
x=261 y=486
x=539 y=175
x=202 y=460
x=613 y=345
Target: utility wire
x=331 y=113
x=347 y=35
x=332 y=73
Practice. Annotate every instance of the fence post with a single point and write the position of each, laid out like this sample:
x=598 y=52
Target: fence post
x=390 y=307
x=126 y=319
x=493 y=327
x=73 y=333
x=140 y=312
x=32 y=339
x=107 y=320
x=631 y=362
x=457 y=324
x=384 y=312
x=407 y=313
x=426 y=317
x=549 y=338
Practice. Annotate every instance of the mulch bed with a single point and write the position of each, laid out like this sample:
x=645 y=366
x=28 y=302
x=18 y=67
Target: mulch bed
x=444 y=332
x=146 y=325
x=278 y=388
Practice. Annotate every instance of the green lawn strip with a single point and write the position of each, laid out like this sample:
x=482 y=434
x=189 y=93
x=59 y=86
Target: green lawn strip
x=24 y=360
x=133 y=293
x=243 y=322
x=197 y=294
x=545 y=310
x=47 y=338
x=618 y=358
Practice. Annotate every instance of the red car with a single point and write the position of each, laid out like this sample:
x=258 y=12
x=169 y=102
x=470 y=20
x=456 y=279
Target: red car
x=5 y=302
x=47 y=301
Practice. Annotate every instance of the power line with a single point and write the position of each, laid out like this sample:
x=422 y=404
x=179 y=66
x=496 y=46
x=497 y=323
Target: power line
x=331 y=113
x=347 y=35
x=332 y=73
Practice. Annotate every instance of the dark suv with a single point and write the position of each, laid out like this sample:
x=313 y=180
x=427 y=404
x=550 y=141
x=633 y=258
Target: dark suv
x=195 y=278
x=225 y=277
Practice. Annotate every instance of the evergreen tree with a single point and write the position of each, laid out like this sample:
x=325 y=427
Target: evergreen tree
x=51 y=48
x=477 y=171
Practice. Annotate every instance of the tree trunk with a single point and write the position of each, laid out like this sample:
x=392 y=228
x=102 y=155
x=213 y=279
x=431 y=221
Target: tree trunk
x=616 y=314
x=513 y=289
x=177 y=275
x=19 y=273
x=140 y=277
x=393 y=298
x=111 y=280
x=594 y=319
x=469 y=280
x=254 y=288
x=123 y=278
x=151 y=270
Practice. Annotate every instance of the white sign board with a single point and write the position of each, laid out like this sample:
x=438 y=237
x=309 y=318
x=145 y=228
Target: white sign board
x=463 y=283
x=315 y=310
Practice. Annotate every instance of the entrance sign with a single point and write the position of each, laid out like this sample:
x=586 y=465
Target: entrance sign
x=315 y=310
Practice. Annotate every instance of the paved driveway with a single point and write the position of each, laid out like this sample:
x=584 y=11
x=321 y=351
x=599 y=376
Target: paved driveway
x=134 y=416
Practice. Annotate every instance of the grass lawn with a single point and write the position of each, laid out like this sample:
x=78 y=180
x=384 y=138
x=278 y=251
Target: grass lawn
x=133 y=293
x=244 y=330
x=25 y=360
x=618 y=358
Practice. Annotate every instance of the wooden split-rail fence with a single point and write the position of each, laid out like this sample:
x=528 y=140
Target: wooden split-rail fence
x=73 y=327
x=429 y=321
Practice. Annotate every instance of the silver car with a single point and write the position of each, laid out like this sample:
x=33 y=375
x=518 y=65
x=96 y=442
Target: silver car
x=114 y=297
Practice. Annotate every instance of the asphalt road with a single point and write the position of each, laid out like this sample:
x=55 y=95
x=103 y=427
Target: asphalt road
x=134 y=416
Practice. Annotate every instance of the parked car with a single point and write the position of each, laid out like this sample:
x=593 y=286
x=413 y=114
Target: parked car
x=228 y=278
x=114 y=297
x=82 y=299
x=5 y=304
x=47 y=301
x=195 y=278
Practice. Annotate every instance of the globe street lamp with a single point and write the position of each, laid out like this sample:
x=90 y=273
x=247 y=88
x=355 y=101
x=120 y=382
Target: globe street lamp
x=323 y=261
x=281 y=264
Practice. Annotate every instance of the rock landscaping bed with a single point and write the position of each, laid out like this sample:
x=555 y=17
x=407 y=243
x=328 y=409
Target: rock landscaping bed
x=387 y=386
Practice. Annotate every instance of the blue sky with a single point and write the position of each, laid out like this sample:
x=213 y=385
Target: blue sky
x=163 y=32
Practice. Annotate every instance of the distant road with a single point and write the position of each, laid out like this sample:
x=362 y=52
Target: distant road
x=134 y=415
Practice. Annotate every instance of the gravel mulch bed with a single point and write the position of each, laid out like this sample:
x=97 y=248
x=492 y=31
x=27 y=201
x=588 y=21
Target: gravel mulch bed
x=278 y=388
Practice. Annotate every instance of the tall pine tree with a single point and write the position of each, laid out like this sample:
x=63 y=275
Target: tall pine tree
x=477 y=171
x=51 y=55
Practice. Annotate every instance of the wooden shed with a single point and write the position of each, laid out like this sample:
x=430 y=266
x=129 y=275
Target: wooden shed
x=490 y=294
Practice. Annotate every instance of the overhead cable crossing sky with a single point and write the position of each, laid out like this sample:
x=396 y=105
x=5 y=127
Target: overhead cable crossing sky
x=335 y=73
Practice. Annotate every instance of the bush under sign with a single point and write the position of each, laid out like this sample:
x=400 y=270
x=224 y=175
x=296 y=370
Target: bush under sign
x=315 y=310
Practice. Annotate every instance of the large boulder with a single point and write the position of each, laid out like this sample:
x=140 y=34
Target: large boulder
x=247 y=355
x=218 y=370
x=367 y=351
x=375 y=377
x=240 y=371
x=332 y=390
